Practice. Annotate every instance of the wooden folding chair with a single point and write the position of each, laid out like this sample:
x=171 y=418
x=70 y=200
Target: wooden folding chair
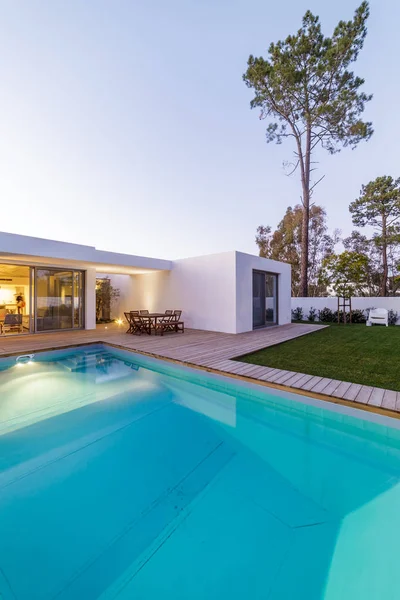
x=141 y=325
x=129 y=320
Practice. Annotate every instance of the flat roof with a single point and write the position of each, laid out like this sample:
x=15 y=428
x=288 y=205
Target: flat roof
x=31 y=250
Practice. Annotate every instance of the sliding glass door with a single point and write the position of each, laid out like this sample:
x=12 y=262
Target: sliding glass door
x=16 y=305
x=265 y=299
x=271 y=299
x=258 y=299
x=58 y=299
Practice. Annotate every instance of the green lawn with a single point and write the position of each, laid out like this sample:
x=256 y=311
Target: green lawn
x=356 y=353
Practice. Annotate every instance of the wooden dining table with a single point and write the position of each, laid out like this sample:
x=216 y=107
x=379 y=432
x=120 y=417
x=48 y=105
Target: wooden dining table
x=153 y=317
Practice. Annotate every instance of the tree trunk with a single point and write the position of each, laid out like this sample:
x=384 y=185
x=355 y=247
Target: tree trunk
x=304 y=246
x=305 y=181
x=384 y=258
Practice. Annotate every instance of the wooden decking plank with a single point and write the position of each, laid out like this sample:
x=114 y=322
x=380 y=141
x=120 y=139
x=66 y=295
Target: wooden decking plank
x=311 y=383
x=389 y=399
x=234 y=367
x=283 y=379
x=268 y=373
x=352 y=391
x=300 y=382
x=364 y=394
x=279 y=375
x=257 y=373
x=321 y=385
x=330 y=389
x=342 y=389
x=376 y=397
x=294 y=378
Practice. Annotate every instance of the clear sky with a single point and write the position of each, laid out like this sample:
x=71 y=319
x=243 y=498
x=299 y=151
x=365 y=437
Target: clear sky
x=125 y=124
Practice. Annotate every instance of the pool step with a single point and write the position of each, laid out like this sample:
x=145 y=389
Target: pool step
x=83 y=362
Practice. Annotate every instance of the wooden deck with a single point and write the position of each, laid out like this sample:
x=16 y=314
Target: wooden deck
x=215 y=351
x=194 y=346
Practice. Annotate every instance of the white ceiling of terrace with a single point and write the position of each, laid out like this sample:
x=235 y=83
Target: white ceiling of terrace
x=21 y=260
x=8 y=271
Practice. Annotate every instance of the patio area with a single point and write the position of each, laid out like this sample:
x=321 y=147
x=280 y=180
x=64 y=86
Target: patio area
x=203 y=348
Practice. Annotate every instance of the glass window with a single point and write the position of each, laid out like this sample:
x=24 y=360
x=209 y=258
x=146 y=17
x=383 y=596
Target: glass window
x=16 y=306
x=271 y=299
x=265 y=299
x=258 y=299
x=53 y=299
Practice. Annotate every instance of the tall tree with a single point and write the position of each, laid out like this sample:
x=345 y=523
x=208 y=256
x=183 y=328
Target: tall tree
x=346 y=273
x=357 y=243
x=285 y=244
x=379 y=206
x=306 y=88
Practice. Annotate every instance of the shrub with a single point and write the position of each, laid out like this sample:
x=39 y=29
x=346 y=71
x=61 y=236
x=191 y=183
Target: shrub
x=297 y=314
x=326 y=315
x=358 y=316
x=344 y=317
x=392 y=317
x=312 y=315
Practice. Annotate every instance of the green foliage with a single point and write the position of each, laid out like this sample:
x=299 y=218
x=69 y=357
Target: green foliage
x=346 y=273
x=306 y=87
x=341 y=317
x=378 y=204
x=312 y=315
x=326 y=315
x=379 y=207
x=360 y=244
x=297 y=314
x=306 y=81
x=358 y=316
x=285 y=242
x=106 y=296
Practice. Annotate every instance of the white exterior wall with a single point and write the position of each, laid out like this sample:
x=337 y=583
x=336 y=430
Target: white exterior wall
x=90 y=299
x=357 y=302
x=126 y=284
x=204 y=288
x=245 y=264
x=214 y=292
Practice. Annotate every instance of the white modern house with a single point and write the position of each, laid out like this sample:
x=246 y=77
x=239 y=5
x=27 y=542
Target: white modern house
x=52 y=285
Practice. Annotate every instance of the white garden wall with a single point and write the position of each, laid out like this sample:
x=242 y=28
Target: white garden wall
x=361 y=303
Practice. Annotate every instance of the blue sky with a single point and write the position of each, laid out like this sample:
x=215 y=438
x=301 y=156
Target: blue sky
x=126 y=124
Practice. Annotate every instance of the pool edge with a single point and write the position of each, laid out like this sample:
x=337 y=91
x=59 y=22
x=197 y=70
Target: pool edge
x=369 y=408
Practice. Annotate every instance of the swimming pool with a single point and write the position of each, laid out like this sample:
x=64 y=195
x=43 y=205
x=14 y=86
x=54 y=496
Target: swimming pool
x=126 y=477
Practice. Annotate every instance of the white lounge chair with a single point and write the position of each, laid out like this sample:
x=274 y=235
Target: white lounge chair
x=379 y=316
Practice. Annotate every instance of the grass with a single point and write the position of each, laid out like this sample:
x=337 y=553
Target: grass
x=356 y=353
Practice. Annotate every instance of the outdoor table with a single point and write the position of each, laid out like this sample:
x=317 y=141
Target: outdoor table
x=153 y=318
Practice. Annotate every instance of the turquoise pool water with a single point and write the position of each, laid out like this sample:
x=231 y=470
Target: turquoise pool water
x=129 y=478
